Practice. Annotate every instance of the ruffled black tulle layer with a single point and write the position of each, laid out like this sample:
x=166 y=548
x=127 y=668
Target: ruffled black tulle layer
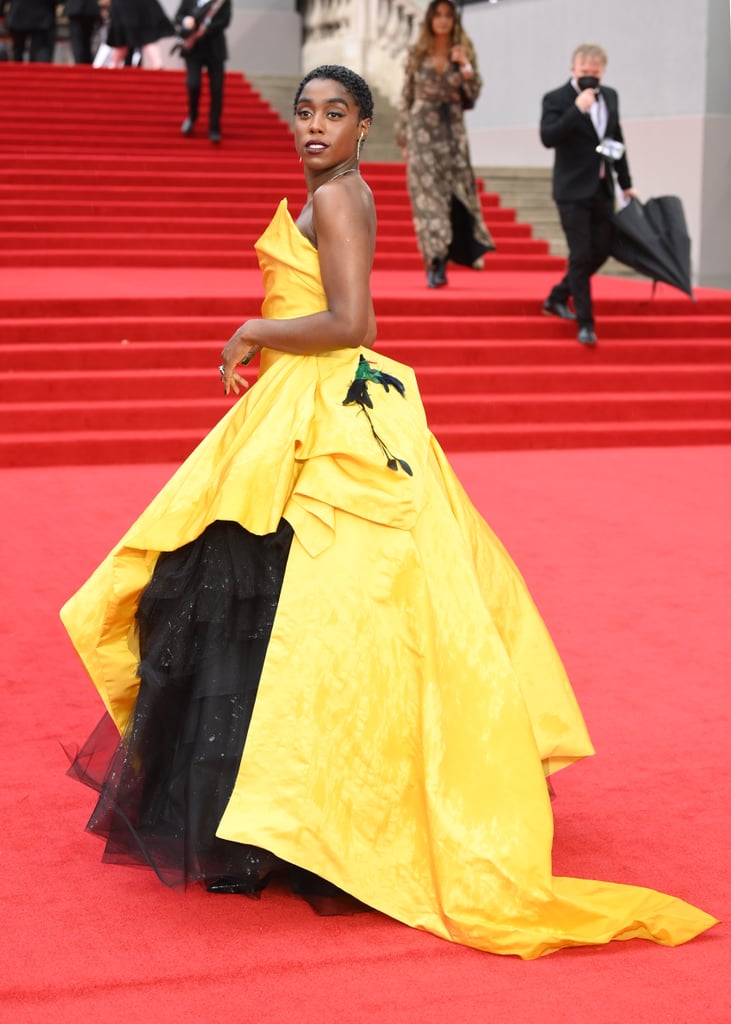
x=204 y=620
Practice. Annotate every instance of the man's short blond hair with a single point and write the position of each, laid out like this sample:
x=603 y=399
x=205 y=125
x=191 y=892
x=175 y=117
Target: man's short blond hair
x=590 y=50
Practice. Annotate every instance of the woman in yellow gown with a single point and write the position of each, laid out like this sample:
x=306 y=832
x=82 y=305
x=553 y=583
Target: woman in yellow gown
x=318 y=656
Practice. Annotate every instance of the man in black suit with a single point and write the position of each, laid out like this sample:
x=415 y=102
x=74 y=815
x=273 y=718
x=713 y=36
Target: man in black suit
x=202 y=24
x=576 y=118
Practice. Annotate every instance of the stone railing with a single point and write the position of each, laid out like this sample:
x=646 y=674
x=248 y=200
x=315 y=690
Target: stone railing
x=369 y=36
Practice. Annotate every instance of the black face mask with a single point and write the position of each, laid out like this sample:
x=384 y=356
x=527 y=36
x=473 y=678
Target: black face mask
x=588 y=82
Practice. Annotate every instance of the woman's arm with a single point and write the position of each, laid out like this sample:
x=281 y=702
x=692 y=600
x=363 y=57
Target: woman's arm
x=344 y=222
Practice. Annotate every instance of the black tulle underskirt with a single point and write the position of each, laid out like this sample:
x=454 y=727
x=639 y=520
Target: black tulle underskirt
x=204 y=621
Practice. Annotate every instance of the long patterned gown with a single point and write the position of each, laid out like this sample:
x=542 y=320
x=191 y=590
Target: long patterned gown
x=444 y=202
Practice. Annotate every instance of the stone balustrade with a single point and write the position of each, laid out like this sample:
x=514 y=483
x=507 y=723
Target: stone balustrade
x=369 y=36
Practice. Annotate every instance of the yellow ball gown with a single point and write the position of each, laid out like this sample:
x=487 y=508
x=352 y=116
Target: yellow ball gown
x=411 y=702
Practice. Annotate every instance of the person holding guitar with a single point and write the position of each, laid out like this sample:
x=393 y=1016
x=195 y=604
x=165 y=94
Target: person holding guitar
x=201 y=26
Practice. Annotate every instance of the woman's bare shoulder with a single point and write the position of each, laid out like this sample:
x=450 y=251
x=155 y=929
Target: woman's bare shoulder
x=348 y=196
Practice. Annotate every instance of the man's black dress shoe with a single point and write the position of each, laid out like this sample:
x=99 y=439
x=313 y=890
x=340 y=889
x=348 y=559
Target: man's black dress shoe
x=214 y=136
x=586 y=336
x=552 y=308
x=187 y=126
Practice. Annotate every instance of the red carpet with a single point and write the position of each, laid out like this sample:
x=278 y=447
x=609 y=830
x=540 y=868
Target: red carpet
x=627 y=553
x=127 y=262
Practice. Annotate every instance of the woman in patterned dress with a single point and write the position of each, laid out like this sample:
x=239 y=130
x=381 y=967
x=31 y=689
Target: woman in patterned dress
x=441 y=75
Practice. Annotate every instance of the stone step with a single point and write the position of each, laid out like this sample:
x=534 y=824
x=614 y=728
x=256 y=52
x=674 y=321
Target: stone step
x=517 y=173
x=527 y=190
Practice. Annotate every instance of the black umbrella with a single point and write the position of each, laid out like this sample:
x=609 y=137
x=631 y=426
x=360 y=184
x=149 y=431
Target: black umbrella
x=653 y=239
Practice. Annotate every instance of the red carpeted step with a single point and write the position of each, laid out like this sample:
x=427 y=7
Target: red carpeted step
x=512 y=437
x=174 y=175
x=520 y=302
x=52 y=200
x=171 y=446
x=124 y=124
x=132 y=218
x=176 y=145
x=69 y=391
x=102 y=413
x=646 y=329
x=443 y=332
x=153 y=258
x=632 y=353
x=89 y=448
x=702 y=362
x=82 y=257
x=205 y=237
x=206 y=248
x=189 y=193
x=567 y=408
x=481 y=304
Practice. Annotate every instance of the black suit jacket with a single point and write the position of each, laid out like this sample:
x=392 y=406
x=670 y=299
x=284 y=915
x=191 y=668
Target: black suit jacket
x=82 y=9
x=576 y=166
x=212 y=44
x=31 y=15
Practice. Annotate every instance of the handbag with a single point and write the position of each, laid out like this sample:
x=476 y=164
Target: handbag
x=467 y=102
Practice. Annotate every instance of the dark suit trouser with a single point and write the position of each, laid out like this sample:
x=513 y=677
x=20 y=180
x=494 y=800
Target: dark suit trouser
x=194 y=75
x=42 y=43
x=587 y=225
x=81 y=31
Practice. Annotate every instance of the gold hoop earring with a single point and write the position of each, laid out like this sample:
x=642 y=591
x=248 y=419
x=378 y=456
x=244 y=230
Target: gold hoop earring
x=357 y=148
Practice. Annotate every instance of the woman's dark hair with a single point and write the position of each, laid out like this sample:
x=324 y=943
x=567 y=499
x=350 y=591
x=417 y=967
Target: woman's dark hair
x=352 y=83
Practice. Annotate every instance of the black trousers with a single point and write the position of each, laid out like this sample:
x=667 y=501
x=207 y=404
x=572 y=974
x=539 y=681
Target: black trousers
x=81 y=31
x=193 y=78
x=42 y=43
x=587 y=225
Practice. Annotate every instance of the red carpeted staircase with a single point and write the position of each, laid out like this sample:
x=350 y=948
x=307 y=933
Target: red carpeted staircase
x=96 y=178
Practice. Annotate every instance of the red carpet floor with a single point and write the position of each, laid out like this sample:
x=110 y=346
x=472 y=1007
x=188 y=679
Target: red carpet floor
x=628 y=555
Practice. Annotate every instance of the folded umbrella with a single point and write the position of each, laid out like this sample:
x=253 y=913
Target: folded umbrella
x=652 y=238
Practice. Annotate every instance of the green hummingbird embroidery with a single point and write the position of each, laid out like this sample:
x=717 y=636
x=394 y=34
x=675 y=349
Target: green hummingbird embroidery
x=358 y=395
